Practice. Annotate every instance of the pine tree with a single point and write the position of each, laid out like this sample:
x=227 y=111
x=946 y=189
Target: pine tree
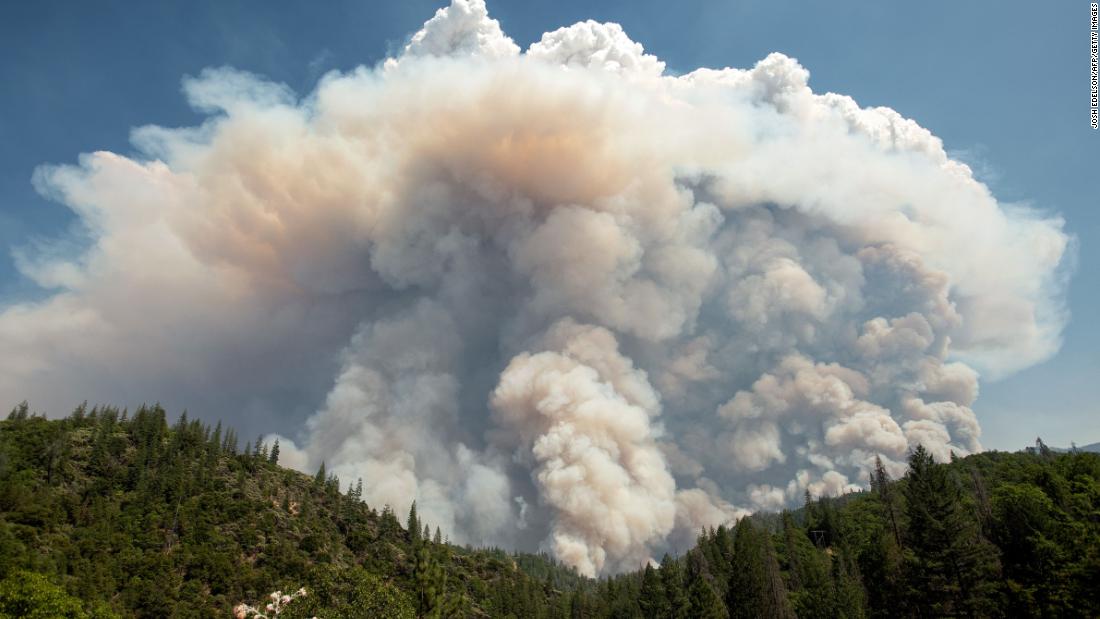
x=1042 y=449
x=811 y=589
x=230 y=444
x=576 y=605
x=430 y=583
x=651 y=598
x=320 y=478
x=722 y=541
x=274 y=457
x=953 y=568
x=19 y=413
x=332 y=486
x=848 y=589
x=388 y=523
x=881 y=488
x=1024 y=529
x=438 y=539
x=215 y=446
x=57 y=452
x=880 y=557
x=412 y=526
x=790 y=543
x=985 y=507
x=756 y=589
x=672 y=581
x=703 y=601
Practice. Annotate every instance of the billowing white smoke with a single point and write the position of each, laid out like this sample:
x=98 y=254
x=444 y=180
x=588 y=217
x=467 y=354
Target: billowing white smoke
x=580 y=420
x=558 y=297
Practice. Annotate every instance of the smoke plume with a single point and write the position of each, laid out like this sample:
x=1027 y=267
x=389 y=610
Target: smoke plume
x=559 y=297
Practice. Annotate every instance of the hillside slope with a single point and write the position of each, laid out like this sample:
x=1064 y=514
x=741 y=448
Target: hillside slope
x=155 y=520
x=104 y=514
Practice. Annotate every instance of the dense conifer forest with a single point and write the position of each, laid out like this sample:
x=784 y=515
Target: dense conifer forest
x=115 y=514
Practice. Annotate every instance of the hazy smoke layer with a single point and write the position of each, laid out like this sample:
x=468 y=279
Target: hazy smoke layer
x=558 y=297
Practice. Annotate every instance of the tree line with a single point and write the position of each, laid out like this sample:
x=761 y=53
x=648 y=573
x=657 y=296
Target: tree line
x=107 y=513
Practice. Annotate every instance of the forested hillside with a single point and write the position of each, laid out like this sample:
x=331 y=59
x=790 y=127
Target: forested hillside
x=175 y=521
x=107 y=514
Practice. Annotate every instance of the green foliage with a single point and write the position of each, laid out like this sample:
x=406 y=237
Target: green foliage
x=153 y=519
x=952 y=568
x=756 y=589
x=704 y=602
x=351 y=593
x=107 y=512
x=273 y=458
x=26 y=595
x=809 y=573
x=652 y=599
x=992 y=534
x=431 y=584
x=413 y=525
x=672 y=580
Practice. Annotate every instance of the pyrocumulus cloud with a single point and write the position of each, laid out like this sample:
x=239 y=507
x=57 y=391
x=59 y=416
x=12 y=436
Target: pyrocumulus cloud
x=560 y=297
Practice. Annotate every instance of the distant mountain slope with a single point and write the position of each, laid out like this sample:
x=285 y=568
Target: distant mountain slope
x=1091 y=448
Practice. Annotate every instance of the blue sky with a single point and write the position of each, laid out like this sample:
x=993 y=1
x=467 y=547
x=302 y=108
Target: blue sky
x=1004 y=84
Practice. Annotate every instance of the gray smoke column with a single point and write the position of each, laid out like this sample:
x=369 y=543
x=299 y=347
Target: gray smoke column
x=559 y=297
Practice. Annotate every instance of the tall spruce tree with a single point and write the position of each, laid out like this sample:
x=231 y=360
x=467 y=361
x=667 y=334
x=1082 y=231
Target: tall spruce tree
x=412 y=526
x=880 y=557
x=430 y=583
x=756 y=588
x=672 y=581
x=880 y=562
x=651 y=597
x=882 y=490
x=849 y=592
x=952 y=569
x=703 y=601
x=811 y=589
